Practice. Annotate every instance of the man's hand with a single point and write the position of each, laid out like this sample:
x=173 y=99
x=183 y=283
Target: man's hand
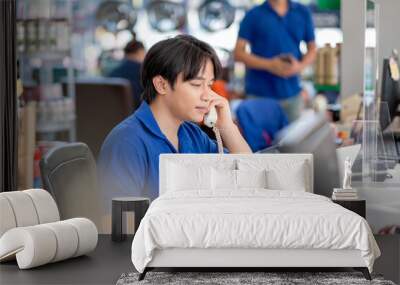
x=230 y=134
x=295 y=66
x=284 y=66
x=279 y=67
x=221 y=105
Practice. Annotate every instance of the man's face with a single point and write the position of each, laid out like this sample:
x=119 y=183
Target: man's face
x=189 y=100
x=140 y=54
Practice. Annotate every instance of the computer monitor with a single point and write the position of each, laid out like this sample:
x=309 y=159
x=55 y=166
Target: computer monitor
x=390 y=93
x=313 y=134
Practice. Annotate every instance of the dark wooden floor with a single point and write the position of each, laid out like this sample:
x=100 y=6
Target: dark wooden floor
x=110 y=259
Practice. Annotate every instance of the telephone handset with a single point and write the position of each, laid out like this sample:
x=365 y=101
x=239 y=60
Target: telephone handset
x=210 y=120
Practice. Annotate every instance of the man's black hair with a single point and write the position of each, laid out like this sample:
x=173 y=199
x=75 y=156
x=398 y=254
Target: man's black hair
x=133 y=46
x=170 y=57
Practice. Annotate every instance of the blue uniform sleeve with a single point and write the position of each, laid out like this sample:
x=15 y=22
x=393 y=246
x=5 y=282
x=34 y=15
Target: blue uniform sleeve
x=309 y=35
x=247 y=28
x=122 y=171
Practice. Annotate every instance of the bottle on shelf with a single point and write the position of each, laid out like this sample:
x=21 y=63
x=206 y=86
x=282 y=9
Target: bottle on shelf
x=331 y=66
x=327 y=66
x=320 y=66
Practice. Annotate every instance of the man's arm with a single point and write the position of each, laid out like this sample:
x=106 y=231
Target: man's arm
x=250 y=60
x=230 y=134
x=309 y=38
x=274 y=65
x=308 y=58
x=233 y=140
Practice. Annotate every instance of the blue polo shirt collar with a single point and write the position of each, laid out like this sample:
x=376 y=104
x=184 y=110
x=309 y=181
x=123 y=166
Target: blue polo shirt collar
x=145 y=115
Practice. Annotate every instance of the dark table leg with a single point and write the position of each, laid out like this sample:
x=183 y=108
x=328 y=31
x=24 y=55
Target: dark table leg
x=116 y=231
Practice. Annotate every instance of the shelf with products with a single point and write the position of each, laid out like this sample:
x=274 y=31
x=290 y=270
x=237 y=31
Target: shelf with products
x=44 y=29
x=43 y=35
x=44 y=53
x=327 y=72
x=324 y=76
x=51 y=119
x=56 y=115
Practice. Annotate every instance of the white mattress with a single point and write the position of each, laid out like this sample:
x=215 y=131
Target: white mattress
x=253 y=218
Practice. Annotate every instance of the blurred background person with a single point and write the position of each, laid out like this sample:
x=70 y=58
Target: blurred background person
x=260 y=130
x=130 y=66
x=274 y=31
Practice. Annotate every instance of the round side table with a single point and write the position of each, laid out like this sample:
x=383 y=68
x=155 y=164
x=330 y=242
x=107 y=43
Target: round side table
x=138 y=205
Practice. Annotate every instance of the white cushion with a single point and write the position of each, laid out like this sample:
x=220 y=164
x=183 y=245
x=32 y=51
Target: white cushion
x=41 y=244
x=6 y=215
x=291 y=178
x=87 y=233
x=251 y=179
x=27 y=208
x=67 y=239
x=23 y=208
x=33 y=246
x=282 y=174
x=31 y=232
x=237 y=161
x=188 y=177
x=230 y=180
x=45 y=206
x=223 y=179
x=192 y=159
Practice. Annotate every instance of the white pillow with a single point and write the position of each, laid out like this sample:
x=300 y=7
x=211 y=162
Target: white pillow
x=223 y=179
x=292 y=177
x=282 y=174
x=251 y=178
x=188 y=177
x=226 y=179
x=203 y=160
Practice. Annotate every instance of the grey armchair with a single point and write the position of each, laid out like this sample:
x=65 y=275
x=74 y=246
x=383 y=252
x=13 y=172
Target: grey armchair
x=69 y=174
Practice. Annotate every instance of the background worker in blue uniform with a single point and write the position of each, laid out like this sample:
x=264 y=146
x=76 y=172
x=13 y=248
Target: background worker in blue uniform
x=274 y=30
x=130 y=66
x=177 y=76
x=260 y=119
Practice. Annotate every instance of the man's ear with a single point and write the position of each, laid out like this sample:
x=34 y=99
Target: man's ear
x=160 y=84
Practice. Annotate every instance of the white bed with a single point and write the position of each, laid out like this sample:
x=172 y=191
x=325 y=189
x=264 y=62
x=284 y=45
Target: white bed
x=209 y=222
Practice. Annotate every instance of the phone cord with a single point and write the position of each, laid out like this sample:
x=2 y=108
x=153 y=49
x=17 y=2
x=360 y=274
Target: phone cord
x=219 y=140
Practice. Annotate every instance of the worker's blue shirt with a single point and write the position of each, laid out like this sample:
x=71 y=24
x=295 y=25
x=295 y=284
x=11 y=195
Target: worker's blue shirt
x=128 y=161
x=260 y=131
x=130 y=70
x=270 y=35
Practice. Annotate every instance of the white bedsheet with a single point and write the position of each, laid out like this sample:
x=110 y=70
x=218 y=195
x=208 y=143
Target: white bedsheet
x=250 y=218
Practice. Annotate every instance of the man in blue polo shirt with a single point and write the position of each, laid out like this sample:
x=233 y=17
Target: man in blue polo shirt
x=274 y=31
x=129 y=68
x=177 y=76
